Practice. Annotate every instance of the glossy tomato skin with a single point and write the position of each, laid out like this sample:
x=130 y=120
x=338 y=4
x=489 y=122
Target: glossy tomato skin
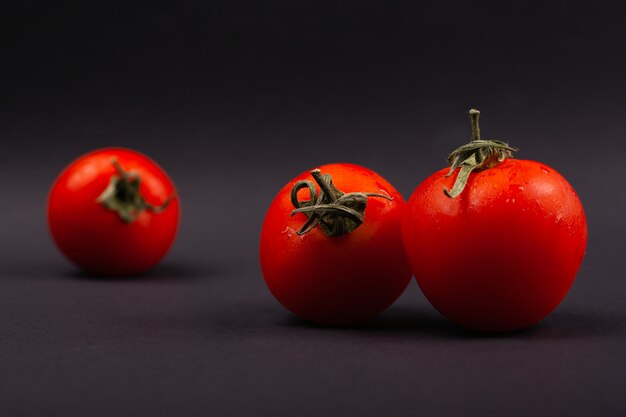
x=504 y=253
x=94 y=237
x=343 y=279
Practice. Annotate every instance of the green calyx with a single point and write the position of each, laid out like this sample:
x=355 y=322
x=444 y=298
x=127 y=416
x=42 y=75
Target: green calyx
x=122 y=196
x=478 y=155
x=335 y=212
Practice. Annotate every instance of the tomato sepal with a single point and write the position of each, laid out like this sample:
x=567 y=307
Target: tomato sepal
x=478 y=155
x=336 y=212
x=123 y=196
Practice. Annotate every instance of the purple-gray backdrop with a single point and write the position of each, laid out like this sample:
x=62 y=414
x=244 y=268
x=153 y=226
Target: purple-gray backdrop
x=234 y=98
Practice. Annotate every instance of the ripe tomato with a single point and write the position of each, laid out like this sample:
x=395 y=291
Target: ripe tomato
x=503 y=253
x=338 y=258
x=113 y=211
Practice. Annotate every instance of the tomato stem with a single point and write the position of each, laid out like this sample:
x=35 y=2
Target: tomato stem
x=123 y=196
x=334 y=211
x=478 y=155
x=474 y=115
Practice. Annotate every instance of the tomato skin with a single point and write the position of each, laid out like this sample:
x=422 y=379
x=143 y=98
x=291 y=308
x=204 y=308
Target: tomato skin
x=504 y=253
x=94 y=237
x=343 y=279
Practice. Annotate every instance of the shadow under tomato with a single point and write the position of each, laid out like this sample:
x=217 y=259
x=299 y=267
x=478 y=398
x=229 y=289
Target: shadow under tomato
x=408 y=322
x=174 y=272
x=163 y=272
x=579 y=324
x=396 y=321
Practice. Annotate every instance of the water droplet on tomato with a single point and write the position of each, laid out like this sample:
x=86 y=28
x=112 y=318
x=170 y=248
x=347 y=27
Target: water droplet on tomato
x=289 y=231
x=545 y=170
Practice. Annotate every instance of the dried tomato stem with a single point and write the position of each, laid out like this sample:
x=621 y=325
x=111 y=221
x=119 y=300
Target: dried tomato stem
x=122 y=195
x=336 y=213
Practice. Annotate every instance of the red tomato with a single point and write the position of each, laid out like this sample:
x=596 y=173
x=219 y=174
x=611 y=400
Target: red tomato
x=337 y=272
x=114 y=212
x=503 y=253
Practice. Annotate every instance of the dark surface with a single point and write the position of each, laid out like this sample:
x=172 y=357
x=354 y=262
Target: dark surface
x=233 y=99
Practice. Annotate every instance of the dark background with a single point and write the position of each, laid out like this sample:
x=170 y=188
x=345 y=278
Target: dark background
x=234 y=98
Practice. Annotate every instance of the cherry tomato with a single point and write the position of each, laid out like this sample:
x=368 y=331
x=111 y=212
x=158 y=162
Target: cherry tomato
x=503 y=252
x=331 y=247
x=114 y=212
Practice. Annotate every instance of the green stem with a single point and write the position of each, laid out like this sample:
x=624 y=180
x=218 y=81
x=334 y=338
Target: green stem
x=474 y=115
x=478 y=155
